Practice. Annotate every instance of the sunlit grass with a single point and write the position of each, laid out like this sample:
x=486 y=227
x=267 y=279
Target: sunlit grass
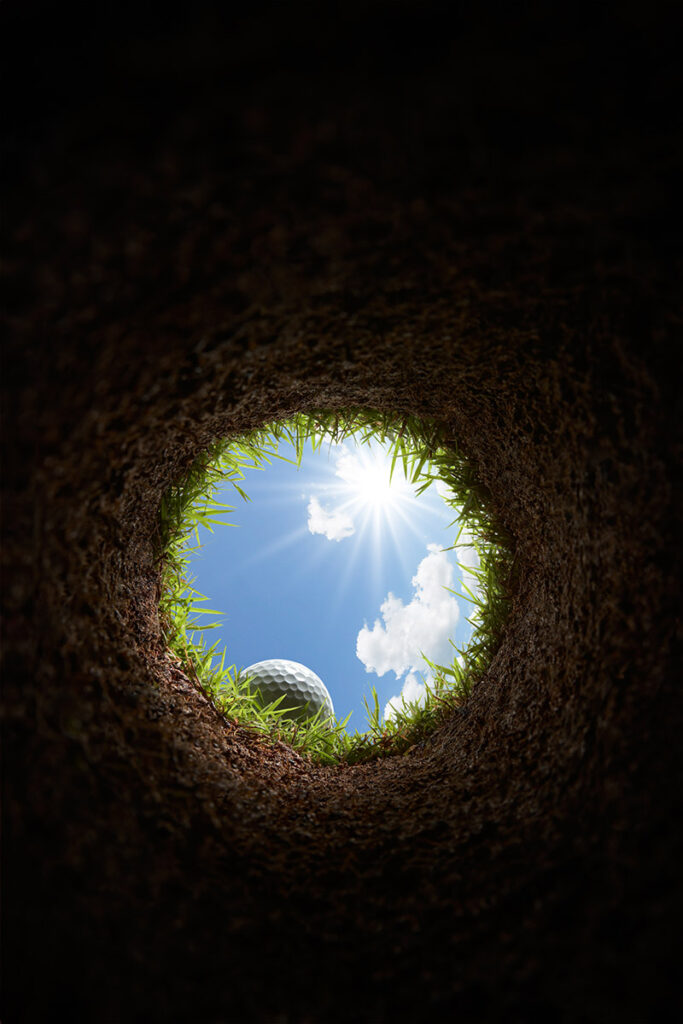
x=425 y=455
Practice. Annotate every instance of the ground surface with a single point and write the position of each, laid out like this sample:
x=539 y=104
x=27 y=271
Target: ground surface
x=210 y=228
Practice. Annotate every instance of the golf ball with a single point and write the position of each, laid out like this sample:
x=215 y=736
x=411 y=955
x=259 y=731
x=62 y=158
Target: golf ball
x=301 y=688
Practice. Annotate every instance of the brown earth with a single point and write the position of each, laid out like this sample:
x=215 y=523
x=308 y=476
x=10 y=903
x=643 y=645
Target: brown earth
x=216 y=226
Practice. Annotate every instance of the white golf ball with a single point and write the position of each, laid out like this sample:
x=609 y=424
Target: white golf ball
x=301 y=688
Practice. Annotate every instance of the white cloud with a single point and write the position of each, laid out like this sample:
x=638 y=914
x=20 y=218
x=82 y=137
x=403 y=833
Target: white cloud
x=334 y=525
x=423 y=625
x=347 y=465
x=413 y=690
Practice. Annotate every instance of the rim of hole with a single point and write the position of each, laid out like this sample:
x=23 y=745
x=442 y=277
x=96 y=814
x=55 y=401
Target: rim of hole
x=427 y=453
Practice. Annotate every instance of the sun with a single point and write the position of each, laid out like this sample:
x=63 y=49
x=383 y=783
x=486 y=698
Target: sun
x=368 y=482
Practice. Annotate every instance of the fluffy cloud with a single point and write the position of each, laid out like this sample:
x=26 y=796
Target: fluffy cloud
x=334 y=525
x=347 y=465
x=413 y=690
x=423 y=625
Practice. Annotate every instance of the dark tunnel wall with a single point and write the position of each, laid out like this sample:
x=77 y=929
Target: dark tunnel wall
x=218 y=222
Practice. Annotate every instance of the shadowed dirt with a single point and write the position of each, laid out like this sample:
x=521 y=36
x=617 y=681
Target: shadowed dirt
x=212 y=227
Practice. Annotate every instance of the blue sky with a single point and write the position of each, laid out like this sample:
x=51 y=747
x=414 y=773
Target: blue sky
x=331 y=566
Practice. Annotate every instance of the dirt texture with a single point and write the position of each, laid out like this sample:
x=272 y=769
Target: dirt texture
x=214 y=223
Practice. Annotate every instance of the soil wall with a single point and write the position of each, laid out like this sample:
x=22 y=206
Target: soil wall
x=212 y=225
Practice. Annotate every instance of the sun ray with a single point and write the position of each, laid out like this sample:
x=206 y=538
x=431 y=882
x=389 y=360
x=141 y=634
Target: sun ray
x=344 y=581
x=393 y=535
x=285 y=541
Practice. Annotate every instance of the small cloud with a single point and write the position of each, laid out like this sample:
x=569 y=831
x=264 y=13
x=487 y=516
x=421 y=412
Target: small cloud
x=413 y=690
x=335 y=525
x=424 y=625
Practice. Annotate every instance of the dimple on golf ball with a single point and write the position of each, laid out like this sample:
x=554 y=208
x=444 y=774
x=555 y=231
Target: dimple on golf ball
x=301 y=688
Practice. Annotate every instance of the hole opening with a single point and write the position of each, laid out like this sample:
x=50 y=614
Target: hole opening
x=427 y=456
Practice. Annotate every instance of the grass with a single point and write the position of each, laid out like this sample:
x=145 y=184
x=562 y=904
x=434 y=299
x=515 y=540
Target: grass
x=425 y=455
